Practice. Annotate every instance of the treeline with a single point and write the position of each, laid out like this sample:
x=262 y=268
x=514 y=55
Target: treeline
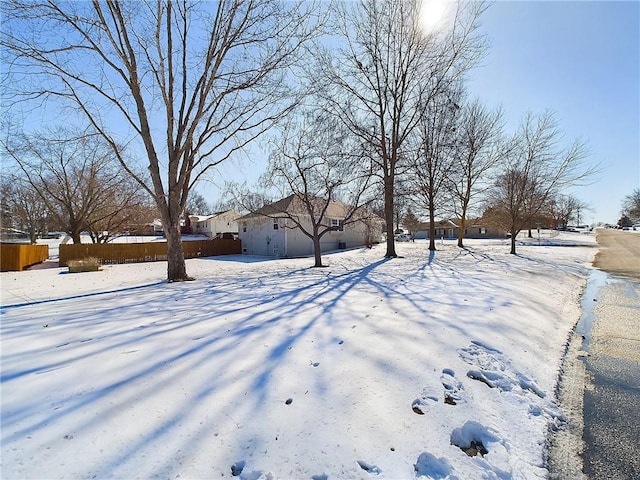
x=70 y=182
x=367 y=97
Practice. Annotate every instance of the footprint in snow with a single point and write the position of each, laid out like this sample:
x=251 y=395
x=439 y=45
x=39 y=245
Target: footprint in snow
x=237 y=470
x=257 y=475
x=495 y=370
x=421 y=405
x=453 y=389
x=367 y=467
x=453 y=393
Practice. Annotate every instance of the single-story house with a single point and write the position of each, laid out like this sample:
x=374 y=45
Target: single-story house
x=271 y=230
x=479 y=228
x=216 y=224
x=449 y=229
x=444 y=229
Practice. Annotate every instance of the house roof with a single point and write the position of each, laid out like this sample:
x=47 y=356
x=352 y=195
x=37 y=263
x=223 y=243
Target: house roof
x=199 y=218
x=202 y=218
x=448 y=223
x=294 y=205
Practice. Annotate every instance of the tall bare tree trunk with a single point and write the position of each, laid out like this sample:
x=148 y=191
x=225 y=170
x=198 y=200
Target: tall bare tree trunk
x=513 y=242
x=463 y=227
x=75 y=236
x=176 y=267
x=317 y=253
x=432 y=230
x=388 y=217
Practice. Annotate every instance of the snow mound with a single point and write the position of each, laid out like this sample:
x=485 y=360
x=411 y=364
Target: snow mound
x=494 y=369
x=433 y=468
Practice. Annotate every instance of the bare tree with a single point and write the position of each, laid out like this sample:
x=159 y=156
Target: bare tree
x=121 y=210
x=561 y=210
x=315 y=162
x=187 y=83
x=389 y=67
x=243 y=199
x=198 y=205
x=76 y=176
x=564 y=208
x=24 y=206
x=401 y=202
x=411 y=222
x=434 y=157
x=538 y=169
x=631 y=206
x=480 y=148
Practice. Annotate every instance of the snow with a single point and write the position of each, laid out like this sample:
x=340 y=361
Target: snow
x=265 y=369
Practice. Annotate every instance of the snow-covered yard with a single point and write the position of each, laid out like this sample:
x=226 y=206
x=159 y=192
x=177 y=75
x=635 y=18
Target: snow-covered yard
x=369 y=368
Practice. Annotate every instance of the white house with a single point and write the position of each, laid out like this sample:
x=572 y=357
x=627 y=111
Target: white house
x=271 y=231
x=216 y=224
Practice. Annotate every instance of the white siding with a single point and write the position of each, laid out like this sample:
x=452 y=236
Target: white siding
x=215 y=224
x=261 y=239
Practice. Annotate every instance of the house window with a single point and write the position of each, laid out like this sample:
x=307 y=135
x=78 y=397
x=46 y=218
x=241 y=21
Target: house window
x=483 y=231
x=244 y=227
x=275 y=225
x=337 y=224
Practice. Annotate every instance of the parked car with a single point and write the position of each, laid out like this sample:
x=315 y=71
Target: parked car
x=403 y=237
x=227 y=236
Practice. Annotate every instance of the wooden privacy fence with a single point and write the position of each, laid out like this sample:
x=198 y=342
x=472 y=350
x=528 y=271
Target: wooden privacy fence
x=15 y=257
x=145 y=252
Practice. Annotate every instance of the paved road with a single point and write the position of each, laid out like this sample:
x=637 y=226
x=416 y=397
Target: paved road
x=612 y=390
x=618 y=252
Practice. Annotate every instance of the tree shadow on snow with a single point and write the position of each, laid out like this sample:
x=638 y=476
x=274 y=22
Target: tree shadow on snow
x=210 y=356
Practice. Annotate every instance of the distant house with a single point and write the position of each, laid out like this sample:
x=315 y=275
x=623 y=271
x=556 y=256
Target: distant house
x=271 y=231
x=153 y=228
x=444 y=229
x=216 y=224
x=449 y=229
x=479 y=228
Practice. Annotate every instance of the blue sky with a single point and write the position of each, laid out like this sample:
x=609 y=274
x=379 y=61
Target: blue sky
x=581 y=60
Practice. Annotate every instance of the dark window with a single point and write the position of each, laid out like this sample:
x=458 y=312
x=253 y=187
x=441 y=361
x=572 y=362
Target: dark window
x=275 y=226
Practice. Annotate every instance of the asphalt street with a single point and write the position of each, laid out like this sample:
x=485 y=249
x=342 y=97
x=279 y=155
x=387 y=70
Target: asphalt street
x=611 y=409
